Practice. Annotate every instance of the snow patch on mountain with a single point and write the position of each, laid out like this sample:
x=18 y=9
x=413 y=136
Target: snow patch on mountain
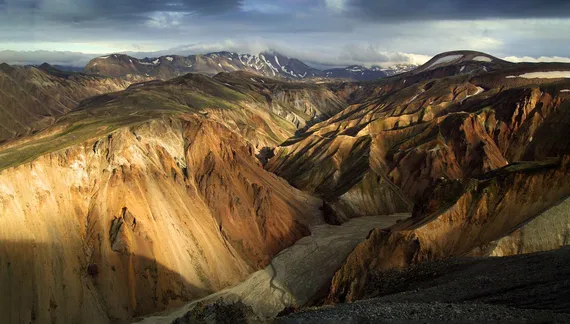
x=273 y=69
x=542 y=75
x=415 y=97
x=354 y=69
x=482 y=59
x=479 y=91
x=284 y=69
x=268 y=64
x=445 y=59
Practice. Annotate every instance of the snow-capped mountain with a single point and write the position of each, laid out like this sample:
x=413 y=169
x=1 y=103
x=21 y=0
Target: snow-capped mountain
x=394 y=69
x=272 y=65
x=354 y=72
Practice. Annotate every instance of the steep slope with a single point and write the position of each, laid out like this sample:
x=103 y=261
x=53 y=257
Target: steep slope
x=380 y=155
x=488 y=209
x=246 y=112
x=273 y=65
x=419 y=147
x=138 y=201
x=31 y=98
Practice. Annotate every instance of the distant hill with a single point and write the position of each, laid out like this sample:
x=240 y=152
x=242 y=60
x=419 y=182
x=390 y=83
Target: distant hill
x=31 y=98
x=272 y=65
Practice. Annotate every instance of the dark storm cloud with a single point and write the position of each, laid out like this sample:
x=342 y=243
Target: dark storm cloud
x=457 y=9
x=124 y=10
x=324 y=32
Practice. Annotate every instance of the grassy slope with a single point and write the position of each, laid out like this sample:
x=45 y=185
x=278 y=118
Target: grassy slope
x=239 y=106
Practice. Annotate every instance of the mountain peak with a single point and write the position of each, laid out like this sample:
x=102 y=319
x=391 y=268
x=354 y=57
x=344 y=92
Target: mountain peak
x=46 y=66
x=269 y=63
x=460 y=57
x=457 y=62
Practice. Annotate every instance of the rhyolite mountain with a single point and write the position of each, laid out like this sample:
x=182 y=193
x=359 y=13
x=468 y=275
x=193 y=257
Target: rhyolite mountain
x=138 y=201
x=474 y=147
x=273 y=65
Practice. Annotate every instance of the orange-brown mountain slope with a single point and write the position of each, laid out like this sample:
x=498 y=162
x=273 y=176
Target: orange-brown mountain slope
x=137 y=201
x=435 y=147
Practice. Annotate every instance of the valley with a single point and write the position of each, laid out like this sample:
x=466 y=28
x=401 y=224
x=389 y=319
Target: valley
x=124 y=198
x=297 y=273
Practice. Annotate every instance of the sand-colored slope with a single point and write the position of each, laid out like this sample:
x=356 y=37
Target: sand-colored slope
x=548 y=231
x=245 y=112
x=138 y=201
x=140 y=221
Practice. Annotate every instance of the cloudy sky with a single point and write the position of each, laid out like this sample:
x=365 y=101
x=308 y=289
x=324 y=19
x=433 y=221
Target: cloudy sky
x=324 y=32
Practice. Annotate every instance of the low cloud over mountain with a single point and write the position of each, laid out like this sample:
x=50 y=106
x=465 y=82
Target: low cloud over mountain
x=354 y=31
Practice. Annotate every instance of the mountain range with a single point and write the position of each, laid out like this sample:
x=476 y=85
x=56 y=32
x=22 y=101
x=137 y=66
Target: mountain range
x=272 y=65
x=256 y=197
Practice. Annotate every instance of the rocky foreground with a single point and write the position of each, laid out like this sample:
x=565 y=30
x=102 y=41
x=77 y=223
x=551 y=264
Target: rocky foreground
x=529 y=288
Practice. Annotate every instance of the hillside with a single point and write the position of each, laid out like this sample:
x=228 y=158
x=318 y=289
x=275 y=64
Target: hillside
x=164 y=191
x=32 y=98
x=461 y=152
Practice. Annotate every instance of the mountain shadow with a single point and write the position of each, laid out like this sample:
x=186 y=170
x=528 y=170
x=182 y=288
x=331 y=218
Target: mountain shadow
x=42 y=283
